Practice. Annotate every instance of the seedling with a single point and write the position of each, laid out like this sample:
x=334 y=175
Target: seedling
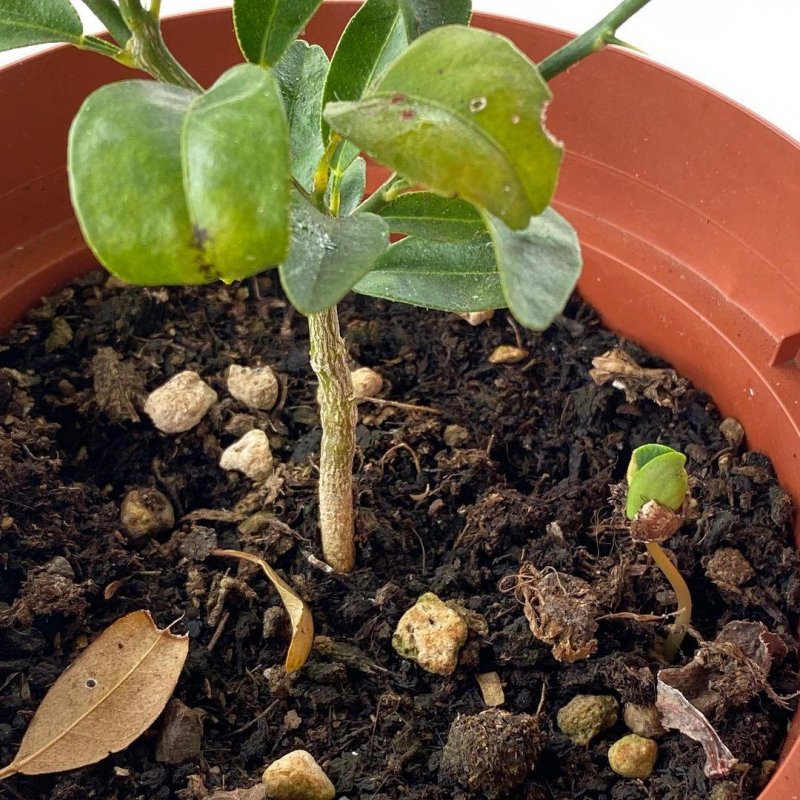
x=174 y=184
x=658 y=489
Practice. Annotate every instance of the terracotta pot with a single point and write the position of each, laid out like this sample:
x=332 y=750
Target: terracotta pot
x=684 y=201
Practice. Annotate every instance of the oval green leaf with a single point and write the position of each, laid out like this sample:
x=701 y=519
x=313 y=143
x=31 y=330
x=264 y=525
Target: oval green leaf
x=641 y=455
x=26 y=22
x=328 y=255
x=236 y=167
x=301 y=74
x=373 y=38
x=460 y=112
x=662 y=479
x=431 y=216
x=126 y=182
x=265 y=28
x=539 y=266
x=424 y=15
x=448 y=276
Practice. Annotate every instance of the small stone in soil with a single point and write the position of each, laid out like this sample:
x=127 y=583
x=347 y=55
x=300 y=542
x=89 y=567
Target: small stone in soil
x=491 y=752
x=727 y=790
x=146 y=512
x=181 y=735
x=643 y=720
x=297 y=776
x=251 y=455
x=633 y=756
x=431 y=633
x=366 y=382
x=587 y=715
x=507 y=354
x=256 y=387
x=180 y=403
x=58 y=565
x=476 y=317
x=728 y=570
x=455 y=435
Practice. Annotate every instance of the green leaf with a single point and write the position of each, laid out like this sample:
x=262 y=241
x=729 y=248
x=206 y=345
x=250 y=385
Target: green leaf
x=328 y=255
x=424 y=15
x=107 y=11
x=301 y=74
x=351 y=185
x=126 y=182
x=157 y=181
x=446 y=276
x=641 y=455
x=373 y=38
x=460 y=112
x=431 y=216
x=539 y=266
x=265 y=28
x=663 y=479
x=236 y=172
x=25 y=22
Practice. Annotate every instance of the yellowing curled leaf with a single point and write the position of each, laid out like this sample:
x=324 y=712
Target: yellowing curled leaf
x=299 y=612
x=108 y=697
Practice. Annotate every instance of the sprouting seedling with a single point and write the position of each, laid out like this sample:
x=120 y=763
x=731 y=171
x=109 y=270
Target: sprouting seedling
x=658 y=488
x=174 y=184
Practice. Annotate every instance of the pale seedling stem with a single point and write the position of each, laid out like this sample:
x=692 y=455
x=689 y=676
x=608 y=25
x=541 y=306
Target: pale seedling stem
x=672 y=644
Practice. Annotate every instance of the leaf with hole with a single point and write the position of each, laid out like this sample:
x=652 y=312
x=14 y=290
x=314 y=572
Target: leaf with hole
x=423 y=15
x=539 y=266
x=107 y=698
x=662 y=477
x=26 y=22
x=431 y=216
x=299 y=613
x=460 y=276
x=328 y=255
x=301 y=74
x=265 y=28
x=373 y=38
x=460 y=112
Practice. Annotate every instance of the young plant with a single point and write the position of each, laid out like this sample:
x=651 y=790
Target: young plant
x=174 y=184
x=658 y=488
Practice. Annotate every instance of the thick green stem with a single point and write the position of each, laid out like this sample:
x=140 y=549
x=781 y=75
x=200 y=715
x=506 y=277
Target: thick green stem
x=596 y=38
x=338 y=414
x=672 y=644
x=148 y=50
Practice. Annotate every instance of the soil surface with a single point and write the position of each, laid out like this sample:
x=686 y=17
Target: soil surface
x=523 y=485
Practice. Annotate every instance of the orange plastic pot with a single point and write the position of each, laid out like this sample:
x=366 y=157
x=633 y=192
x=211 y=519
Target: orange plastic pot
x=686 y=205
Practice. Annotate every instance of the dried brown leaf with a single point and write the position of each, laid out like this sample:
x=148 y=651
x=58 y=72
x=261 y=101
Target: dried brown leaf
x=118 y=387
x=662 y=386
x=299 y=612
x=678 y=713
x=108 y=697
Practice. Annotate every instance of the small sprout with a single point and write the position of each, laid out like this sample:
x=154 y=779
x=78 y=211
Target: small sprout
x=586 y=716
x=658 y=488
x=633 y=756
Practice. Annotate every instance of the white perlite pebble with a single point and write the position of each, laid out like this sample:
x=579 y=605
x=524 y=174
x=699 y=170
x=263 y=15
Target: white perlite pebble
x=431 y=633
x=366 y=383
x=251 y=455
x=297 y=776
x=256 y=387
x=180 y=403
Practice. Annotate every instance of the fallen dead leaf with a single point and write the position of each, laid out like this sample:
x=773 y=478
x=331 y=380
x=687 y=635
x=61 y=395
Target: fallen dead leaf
x=299 y=612
x=107 y=698
x=662 y=386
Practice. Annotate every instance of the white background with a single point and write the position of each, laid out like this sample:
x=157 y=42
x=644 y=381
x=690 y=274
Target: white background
x=746 y=49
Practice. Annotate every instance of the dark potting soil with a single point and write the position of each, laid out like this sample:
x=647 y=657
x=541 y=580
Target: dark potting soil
x=526 y=478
